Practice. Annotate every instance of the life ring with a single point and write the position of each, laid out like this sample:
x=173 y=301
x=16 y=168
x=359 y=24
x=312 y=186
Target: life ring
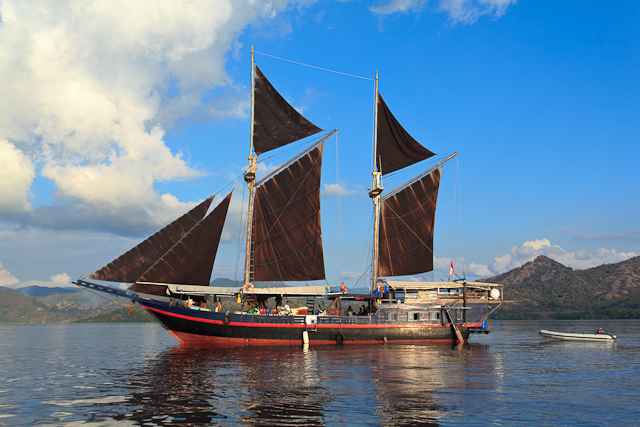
x=226 y=319
x=340 y=338
x=246 y=287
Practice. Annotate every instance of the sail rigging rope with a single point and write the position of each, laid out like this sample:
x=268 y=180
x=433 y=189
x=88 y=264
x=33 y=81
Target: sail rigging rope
x=118 y=304
x=242 y=232
x=464 y=274
x=453 y=224
x=340 y=253
x=166 y=166
x=314 y=66
x=421 y=241
x=367 y=256
x=277 y=220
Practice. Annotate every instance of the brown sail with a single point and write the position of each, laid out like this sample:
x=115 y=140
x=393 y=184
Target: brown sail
x=129 y=266
x=190 y=260
x=276 y=122
x=396 y=149
x=406 y=228
x=287 y=239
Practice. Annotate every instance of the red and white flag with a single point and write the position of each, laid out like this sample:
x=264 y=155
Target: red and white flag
x=451 y=272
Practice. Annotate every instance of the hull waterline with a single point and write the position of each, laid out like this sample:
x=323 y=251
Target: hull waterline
x=200 y=327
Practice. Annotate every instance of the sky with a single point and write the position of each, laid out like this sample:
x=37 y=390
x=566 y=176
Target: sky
x=116 y=117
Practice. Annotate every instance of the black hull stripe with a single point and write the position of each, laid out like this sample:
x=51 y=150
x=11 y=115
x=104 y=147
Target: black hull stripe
x=297 y=325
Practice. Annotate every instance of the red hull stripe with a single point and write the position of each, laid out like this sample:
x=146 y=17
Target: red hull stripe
x=186 y=338
x=302 y=326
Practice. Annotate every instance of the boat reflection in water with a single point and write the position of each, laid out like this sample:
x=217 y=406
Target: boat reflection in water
x=372 y=385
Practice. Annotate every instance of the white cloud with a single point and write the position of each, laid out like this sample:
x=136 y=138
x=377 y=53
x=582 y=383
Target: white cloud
x=627 y=236
x=336 y=189
x=235 y=224
x=528 y=251
x=310 y=96
x=16 y=174
x=6 y=278
x=395 y=6
x=463 y=11
x=478 y=270
x=469 y=11
x=349 y=275
x=94 y=85
x=264 y=168
x=62 y=278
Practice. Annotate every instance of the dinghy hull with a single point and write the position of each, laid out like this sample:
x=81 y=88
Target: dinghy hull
x=568 y=336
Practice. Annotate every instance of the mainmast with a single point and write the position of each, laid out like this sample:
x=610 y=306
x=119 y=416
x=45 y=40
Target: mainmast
x=250 y=176
x=376 y=190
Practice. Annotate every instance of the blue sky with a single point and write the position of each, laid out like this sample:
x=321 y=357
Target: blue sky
x=541 y=99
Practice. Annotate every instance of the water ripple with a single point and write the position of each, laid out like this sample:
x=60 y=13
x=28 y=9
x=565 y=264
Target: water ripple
x=135 y=374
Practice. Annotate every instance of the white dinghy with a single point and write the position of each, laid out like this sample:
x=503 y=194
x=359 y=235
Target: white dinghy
x=600 y=336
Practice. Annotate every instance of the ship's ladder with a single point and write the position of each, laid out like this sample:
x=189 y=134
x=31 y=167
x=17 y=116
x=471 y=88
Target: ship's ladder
x=453 y=325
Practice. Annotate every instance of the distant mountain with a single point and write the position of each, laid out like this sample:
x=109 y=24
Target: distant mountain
x=228 y=283
x=544 y=288
x=39 y=304
x=119 y=315
x=40 y=291
x=18 y=308
x=225 y=283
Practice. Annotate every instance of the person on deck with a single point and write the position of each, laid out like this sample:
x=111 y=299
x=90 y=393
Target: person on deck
x=343 y=288
x=251 y=310
x=349 y=311
x=287 y=308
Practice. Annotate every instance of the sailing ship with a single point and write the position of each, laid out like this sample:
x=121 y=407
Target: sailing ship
x=170 y=272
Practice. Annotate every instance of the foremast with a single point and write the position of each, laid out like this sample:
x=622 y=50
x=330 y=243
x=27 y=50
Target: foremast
x=283 y=240
x=250 y=176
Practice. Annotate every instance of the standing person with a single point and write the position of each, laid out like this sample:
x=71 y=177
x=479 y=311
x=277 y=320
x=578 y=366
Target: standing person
x=287 y=308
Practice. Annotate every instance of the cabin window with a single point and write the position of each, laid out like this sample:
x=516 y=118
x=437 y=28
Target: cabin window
x=434 y=315
x=392 y=317
x=412 y=317
x=459 y=316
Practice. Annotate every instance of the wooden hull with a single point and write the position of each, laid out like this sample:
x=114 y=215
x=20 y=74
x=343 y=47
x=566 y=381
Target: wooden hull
x=567 y=336
x=193 y=327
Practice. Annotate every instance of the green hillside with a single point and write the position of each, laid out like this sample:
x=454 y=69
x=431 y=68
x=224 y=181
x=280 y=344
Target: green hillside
x=544 y=288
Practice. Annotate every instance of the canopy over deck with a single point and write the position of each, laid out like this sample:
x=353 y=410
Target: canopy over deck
x=396 y=285
x=234 y=290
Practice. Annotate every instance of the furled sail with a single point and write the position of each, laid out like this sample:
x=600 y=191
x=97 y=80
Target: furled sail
x=190 y=260
x=396 y=149
x=406 y=228
x=276 y=122
x=287 y=239
x=129 y=266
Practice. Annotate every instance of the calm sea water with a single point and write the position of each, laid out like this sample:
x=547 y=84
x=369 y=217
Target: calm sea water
x=136 y=374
